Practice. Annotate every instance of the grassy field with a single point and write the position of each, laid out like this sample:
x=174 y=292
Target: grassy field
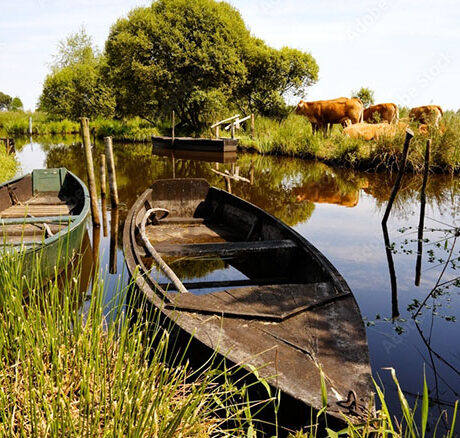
x=292 y=136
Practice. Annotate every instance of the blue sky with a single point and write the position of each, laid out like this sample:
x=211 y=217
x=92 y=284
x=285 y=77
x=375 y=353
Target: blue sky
x=408 y=51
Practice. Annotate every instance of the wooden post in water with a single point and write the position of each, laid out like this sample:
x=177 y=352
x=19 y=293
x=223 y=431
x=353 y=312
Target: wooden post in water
x=30 y=125
x=232 y=129
x=84 y=123
x=113 y=240
x=402 y=168
x=173 y=134
x=421 y=224
x=253 y=126
x=111 y=171
x=104 y=196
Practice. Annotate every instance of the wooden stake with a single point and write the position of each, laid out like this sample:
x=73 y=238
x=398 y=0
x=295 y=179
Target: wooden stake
x=84 y=123
x=253 y=126
x=111 y=171
x=113 y=240
x=394 y=192
x=103 y=195
x=421 y=223
x=173 y=125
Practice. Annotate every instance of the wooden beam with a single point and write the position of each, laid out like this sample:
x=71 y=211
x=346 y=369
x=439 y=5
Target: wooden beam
x=37 y=220
x=90 y=170
x=225 y=121
x=227 y=249
x=229 y=283
x=237 y=122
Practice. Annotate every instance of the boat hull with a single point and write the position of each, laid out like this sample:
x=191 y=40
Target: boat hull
x=290 y=331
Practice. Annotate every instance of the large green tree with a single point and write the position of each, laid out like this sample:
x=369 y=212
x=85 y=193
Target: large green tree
x=75 y=87
x=366 y=95
x=199 y=59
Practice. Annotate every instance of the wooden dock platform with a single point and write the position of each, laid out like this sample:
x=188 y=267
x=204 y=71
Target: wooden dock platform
x=196 y=144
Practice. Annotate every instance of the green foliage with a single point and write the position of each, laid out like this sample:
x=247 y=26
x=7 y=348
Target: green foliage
x=199 y=59
x=75 y=87
x=16 y=104
x=366 y=95
x=5 y=101
x=8 y=103
x=8 y=165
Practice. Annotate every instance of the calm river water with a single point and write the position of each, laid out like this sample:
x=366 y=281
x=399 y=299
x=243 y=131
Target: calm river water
x=340 y=212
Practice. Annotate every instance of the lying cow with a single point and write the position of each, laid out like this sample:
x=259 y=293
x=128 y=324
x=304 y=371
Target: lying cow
x=428 y=114
x=322 y=113
x=369 y=131
x=383 y=112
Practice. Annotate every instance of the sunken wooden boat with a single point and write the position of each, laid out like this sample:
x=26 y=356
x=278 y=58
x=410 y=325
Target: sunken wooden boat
x=280 y=305
x=44 y=214
x=196 y=144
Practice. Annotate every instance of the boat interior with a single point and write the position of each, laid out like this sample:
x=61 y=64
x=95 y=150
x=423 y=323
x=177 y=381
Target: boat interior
x=221 y=246
x=38 y=206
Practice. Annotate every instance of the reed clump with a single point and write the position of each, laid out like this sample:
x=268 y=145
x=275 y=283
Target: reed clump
x=98 y=372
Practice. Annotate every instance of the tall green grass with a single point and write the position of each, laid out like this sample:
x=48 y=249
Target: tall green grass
x=293 y=136
x=8 y=165
x=65 y=372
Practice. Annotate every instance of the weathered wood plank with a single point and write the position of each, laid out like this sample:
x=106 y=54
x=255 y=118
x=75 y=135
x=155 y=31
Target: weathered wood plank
x=226 y=249
x=18 y=211
x=274 y=302
x=228 y=283
x=28 y=229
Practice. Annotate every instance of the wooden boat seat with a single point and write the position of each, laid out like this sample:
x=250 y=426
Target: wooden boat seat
x=19 y=211
x=224 y=249
x=34 y=220
x=272 y=302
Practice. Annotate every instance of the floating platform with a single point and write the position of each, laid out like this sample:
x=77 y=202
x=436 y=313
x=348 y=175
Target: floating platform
x=196 y=144
x=211 y=157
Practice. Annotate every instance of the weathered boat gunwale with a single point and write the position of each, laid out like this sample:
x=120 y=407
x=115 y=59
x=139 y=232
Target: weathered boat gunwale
x=187 y=320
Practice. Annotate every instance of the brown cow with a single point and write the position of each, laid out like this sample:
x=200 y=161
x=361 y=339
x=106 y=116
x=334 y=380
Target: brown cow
x=369 y=131
x=383 y=112
x=428 y=114
x=322 y=113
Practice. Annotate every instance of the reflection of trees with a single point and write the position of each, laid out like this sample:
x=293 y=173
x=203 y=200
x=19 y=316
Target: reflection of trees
x=440 y=190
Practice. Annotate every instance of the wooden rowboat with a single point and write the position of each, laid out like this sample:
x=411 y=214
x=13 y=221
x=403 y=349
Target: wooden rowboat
x=196 y=144
x=282 y=308
x=44 y=213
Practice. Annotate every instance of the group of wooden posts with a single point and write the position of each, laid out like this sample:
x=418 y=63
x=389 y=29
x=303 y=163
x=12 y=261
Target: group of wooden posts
x=421 y=226
x=104 y=158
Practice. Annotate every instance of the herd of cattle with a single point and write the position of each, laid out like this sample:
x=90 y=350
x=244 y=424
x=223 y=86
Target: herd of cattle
x=366 y=123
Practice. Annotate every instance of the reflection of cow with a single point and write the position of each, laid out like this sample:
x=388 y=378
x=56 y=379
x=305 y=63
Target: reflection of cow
x=383 y=112
x=326 y=194
x=428 y=114
x=322 y=113
x=368 y=131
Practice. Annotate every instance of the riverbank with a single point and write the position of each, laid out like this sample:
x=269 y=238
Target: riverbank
x=291 y=136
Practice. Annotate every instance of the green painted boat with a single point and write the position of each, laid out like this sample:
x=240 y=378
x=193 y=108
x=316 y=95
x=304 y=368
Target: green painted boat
x=43 y=215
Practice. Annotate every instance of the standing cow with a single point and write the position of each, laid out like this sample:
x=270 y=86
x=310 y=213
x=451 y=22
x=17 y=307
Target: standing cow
x=322 y=113
x=428 y=114
x=381 y=113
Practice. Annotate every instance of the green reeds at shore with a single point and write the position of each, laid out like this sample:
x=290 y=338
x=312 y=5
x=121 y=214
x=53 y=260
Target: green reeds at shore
x=98 y=372
x=70 y=369
x=8 y=165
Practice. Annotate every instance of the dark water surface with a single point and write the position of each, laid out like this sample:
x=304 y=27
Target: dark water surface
x=340 y=212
